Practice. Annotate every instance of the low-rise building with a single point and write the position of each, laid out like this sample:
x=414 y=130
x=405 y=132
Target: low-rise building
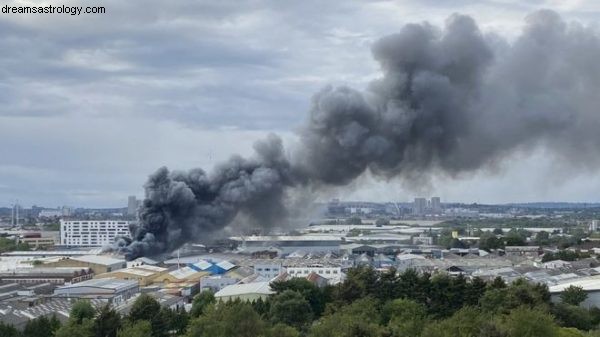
x=113 y=290
x=245 y=292
x=62 y=275
x=216 y=283
x=98 y=263
x=144 y=274
x=332 y=273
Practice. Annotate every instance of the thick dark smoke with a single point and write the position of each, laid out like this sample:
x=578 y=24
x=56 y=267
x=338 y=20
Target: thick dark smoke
x=450 y=101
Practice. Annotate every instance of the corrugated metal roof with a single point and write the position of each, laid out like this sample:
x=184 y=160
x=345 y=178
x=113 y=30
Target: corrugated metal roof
x=243 y=289
x=107 y=283
x=226 y=265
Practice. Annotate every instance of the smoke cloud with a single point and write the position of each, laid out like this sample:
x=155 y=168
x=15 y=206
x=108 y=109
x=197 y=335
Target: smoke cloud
x=451 y=100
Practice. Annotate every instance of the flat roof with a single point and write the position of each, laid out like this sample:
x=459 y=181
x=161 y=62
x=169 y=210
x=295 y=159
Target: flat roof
x=106 y=283
x=98 y=259
x=287 y=238
x=184 y=272
x=591 y=283
x=54 y=252
x=248 y=288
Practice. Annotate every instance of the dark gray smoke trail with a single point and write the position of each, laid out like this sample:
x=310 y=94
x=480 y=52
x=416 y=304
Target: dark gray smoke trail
x=451 y=100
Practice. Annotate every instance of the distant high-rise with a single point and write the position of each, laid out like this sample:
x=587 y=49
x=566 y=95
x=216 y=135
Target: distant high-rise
x=436 y=205
x=419 y=206
x=132 y=205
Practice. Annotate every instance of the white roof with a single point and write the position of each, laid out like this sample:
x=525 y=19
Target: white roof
x=248 y=288
x=202 y=264
x=591 y=283
x=288 y=238
x=151 y=268
x=98 y=259
x=409 y=257
x=226 y=265
x=183 y=273
x=105 y=283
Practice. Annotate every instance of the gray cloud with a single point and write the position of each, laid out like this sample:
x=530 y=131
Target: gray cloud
x=76 y=91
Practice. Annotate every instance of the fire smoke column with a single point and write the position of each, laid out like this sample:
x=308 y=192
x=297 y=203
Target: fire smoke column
x=193 y=205
x=451 y=100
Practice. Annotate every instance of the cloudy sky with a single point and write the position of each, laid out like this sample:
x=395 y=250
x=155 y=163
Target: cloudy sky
x=92 y=104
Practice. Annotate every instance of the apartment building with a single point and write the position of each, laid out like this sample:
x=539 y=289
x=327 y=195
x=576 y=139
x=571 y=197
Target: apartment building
x=91 y=233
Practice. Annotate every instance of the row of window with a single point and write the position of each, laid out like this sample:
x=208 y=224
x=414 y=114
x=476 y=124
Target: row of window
x=307 y=271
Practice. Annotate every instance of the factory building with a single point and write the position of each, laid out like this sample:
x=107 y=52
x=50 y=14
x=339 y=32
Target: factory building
x=245 y=292
x=143 y=274
x=98 y=263
x=46 y=275
x=88 y=233
x=113 y=290
x=289 y=244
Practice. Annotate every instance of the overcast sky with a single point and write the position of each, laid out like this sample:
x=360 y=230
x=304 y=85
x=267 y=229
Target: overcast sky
x=90 y=105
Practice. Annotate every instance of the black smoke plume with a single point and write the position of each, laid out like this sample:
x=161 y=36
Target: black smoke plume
x=451 y=100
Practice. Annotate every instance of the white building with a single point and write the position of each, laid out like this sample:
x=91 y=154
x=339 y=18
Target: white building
x=90 y=233
x=333 y=274
x=268 y=270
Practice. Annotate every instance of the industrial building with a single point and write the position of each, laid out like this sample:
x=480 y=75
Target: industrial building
x=88 y=233
x=47 y=275
x=289 y=244
x=143 y=274
x=245 y=292
x=111 y=289
x=98 y=263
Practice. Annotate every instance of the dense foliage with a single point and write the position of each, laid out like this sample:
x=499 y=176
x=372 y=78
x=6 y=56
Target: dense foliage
x=369 y=303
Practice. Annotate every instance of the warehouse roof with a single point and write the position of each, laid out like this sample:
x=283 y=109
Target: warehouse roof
x=98 y=259
x=591 y=283
x=248 y=288
x=105 y=283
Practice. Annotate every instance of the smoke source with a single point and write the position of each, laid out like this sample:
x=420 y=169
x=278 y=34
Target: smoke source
x=450 y=100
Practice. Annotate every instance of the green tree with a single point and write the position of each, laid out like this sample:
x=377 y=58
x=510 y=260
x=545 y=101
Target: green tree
x=519 y=293
x=227 y=320
x=41 y=327
x=82 y=309
x=292 y=309
x=73 y=329
x=358 y=319
x=526 y=322
x=201 y=301
x=542 y=238
x=466 y=322
x=282 y=330
x=139 y=328
x=568 y=315
x=404 y=317
x=8 y=331
x=573 y=295
x=316 y=296
x=146 y=308
x=515 y=238
x=107 y=323
x=177 y=320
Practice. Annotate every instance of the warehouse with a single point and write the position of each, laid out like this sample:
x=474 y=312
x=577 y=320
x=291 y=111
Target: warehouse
x=98 y=263
x=47 y=275
x=144 y=274
x=111 y=289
